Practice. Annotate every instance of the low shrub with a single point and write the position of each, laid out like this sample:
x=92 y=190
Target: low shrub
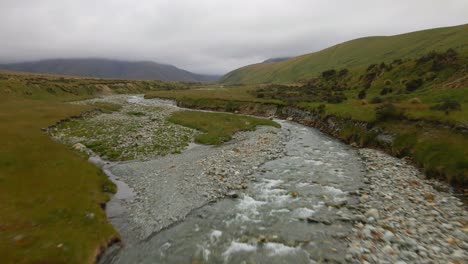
x=376 y=100
x=414 y=84
x=388 y=112
x=447 y=105
x=386 y=90
x=362 y=94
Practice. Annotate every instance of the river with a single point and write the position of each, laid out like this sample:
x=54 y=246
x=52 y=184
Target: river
x=292 y=212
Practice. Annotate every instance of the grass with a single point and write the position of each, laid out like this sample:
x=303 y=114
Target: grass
x=217 y=127
x=221 y=92
x=441 y=152
x=50 y=197
x=352 y=54
x=106 y=108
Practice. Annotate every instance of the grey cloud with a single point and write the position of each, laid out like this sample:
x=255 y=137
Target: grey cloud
x=206 y=36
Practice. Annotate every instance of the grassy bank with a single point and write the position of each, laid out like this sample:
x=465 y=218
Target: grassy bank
x=50 y=209
x=217 y=127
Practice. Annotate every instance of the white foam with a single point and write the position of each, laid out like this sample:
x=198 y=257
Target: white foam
x=249 y=204
x=338 y=195
x=314 y=162
x=279 y=211
x=334 y=191
x=302 y=184
x=215 y=235
x=303 y=212
x=238 y=247
x=275 y=249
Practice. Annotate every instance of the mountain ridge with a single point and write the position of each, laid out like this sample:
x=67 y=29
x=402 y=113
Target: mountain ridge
x=109 y=68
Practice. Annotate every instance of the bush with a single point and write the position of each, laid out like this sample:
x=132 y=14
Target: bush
x=328 y=74
x=386 y=90
x=336 y=98
x=388 y=82
x=413 y=84
x=376 y=100
x=447 y=105
x=388 y=112
x=362 y=94
x=343 y=72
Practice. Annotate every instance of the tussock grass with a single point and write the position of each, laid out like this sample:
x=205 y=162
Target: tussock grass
x=217 y=127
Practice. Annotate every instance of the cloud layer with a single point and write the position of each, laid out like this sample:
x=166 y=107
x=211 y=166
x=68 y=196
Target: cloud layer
x=205 y=36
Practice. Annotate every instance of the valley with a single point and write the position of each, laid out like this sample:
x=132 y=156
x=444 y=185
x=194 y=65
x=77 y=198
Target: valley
x=345 y=155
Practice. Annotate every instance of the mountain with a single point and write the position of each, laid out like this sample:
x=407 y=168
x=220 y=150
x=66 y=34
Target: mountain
x=105 y=68
x=353 y=54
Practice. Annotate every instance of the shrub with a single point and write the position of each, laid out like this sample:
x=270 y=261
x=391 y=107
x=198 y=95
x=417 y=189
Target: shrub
x=329 y=74
x=362 y=94
x=371 y=67
x=386 y=90
x=447 y=105
x=336 y=98
x=413 y=84
x=388 y=112
x=343 y=72
x=376 y=100
x=388 y=82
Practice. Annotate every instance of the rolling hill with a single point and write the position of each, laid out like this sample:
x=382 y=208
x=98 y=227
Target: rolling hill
x=352 y=54
x=105 y=68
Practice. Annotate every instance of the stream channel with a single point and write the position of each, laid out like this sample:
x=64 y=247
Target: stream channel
x=295 y=211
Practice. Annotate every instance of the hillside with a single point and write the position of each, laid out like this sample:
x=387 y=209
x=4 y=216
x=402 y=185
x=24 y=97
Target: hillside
x=104 y=68
x=353 y=54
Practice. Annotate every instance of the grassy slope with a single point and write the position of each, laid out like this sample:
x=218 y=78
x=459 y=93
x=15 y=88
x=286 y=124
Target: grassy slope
x=354 y=53
x=50 y=197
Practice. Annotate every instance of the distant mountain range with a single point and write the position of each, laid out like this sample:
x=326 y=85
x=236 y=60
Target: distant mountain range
x=352 y=54
x=114 y=69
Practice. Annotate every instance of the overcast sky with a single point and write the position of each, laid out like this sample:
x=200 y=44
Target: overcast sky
x=206 y=36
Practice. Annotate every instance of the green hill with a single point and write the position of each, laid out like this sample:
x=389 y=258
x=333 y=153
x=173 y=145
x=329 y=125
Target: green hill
x=353 y=54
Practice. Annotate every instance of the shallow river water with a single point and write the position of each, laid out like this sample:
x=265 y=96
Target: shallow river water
x=291 y=213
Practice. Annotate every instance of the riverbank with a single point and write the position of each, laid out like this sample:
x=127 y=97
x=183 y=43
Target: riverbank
x=406 y=220
x=439 y=151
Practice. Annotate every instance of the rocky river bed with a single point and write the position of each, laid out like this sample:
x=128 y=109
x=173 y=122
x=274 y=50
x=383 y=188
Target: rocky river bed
x=404 y=218
x=274 y=195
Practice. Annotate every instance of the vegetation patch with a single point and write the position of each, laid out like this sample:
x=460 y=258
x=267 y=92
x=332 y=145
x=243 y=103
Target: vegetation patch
x=136 y=132
x=217 y=127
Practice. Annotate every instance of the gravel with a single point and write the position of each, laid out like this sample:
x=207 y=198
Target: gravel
x=406 y=219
